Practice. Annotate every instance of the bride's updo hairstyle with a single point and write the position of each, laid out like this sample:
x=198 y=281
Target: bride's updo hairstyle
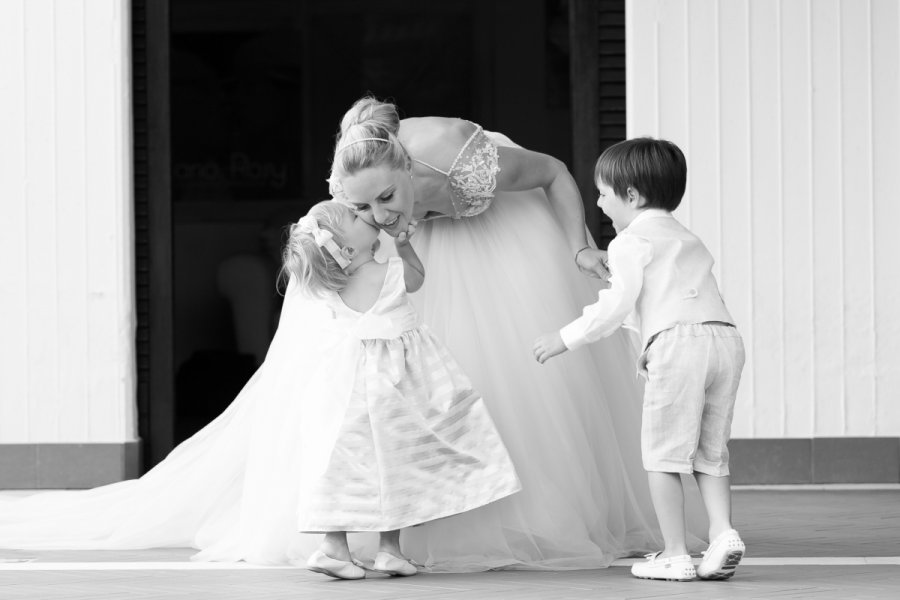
x=306 y=255
x=368 y=138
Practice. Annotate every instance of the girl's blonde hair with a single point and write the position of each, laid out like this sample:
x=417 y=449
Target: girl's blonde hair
x=315 y=269
x=368 y=138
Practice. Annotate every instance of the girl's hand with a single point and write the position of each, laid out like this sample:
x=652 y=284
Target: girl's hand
x=593 y=263
x=547 y=346
x=403 y=237
x=413 y=270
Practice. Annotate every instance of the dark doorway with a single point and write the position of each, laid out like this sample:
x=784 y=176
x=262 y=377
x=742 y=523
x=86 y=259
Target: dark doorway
x=236 y=106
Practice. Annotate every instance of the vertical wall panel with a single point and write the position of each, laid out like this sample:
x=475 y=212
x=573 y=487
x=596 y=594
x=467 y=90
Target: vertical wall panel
x=66 y=353
x=40 y=226
x=701 y=204
x=14 y=408
x=733 y=144
x=828 y=242
x=766 y=343
x=856 y=161
x=797 y=211
x=790 y=132
x=126 y=310
x=886 y=211
x=674 y=57
x=71 y=218
x=641 y=51
x=100 y=219
x=107 y=280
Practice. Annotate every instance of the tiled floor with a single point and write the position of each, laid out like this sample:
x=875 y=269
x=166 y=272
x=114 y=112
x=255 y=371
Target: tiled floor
x=785 y=531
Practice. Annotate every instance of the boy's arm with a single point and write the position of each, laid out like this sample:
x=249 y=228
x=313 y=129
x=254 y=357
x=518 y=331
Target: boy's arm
x=628 y=255
x=413 y=269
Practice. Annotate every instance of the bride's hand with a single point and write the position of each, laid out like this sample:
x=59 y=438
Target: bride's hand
x=593 y=262
x=404 y=236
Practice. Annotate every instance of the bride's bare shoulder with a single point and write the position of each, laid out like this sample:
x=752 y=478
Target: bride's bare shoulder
x=434 y=136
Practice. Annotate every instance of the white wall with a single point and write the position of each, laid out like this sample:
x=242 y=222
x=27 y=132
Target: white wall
x=66 y=244
x=789 y=114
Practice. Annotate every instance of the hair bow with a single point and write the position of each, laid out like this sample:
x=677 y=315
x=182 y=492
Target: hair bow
x=323 y=238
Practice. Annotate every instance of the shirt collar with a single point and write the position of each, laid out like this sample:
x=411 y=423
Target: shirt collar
x=649 y=213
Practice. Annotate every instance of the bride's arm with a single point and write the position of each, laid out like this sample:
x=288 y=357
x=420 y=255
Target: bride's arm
x=522 y=169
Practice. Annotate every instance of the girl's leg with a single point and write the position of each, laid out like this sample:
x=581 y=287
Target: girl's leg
x=390 y=542
x=333 y=558
x=335 y=545
x=668 y=500
x=390 y=559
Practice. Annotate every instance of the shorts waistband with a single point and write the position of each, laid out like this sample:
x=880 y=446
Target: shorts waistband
x=722 y=323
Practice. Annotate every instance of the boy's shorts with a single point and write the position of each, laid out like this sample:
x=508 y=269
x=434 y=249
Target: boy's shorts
x=693 y=372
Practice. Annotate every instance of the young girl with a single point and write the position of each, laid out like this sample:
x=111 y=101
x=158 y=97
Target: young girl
x=357 y=420
x=403 y=437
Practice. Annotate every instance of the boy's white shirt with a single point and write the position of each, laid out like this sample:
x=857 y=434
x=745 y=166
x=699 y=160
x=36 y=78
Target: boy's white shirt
x=661 y=276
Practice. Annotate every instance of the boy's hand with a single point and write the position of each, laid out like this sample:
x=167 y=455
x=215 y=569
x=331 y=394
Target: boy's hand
x=593 y=263
x=403 y=237
x=547 y=346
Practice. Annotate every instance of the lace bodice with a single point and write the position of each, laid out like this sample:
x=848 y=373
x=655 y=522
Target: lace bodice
x=472 y=177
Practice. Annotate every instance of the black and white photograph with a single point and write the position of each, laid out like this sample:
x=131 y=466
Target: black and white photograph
x=432 y=299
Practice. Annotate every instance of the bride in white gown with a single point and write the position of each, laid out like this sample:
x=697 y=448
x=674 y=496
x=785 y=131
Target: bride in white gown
x=499 y=272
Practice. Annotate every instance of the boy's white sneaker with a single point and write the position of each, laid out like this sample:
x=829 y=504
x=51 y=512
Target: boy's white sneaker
x=674 y=568
x=722 y=557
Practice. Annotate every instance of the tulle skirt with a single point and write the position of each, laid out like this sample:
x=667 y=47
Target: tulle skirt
x=494 y=283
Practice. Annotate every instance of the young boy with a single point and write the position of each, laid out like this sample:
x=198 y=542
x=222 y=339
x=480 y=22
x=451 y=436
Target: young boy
x=662 y=285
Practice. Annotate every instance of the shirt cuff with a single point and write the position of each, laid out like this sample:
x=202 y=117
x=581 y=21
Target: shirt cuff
x=571 y=337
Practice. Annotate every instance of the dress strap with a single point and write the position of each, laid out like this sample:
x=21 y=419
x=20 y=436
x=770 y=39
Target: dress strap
x=458 y=154
x=432 y=167
x=395 y=276
x=465 y=147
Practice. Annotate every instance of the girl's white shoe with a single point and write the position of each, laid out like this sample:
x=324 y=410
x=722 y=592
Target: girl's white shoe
x=319 y=562
x=387 y=563
x=674 y=568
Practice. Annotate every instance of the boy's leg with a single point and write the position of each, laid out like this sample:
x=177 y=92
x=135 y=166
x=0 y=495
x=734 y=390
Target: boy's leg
x=668 y=502
x=726 y=549
x=711 y=462
x=670 y=426
x=673 y=563
x=716 y=493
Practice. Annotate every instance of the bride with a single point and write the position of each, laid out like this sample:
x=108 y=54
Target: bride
x=502 y=237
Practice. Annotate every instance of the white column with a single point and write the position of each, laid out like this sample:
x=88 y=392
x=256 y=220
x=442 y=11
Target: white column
x=67 y=317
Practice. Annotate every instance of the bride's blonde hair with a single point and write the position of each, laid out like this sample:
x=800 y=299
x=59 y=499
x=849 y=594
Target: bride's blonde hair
x=314 y=267
x=368 y=138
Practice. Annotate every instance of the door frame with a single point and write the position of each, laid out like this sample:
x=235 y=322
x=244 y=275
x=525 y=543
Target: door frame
x=153 y=227
x=597 y=71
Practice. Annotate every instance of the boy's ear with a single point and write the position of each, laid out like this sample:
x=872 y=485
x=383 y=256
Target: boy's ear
x=636 y=198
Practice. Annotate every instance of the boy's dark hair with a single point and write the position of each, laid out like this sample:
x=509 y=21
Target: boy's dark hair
x=655 y=168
